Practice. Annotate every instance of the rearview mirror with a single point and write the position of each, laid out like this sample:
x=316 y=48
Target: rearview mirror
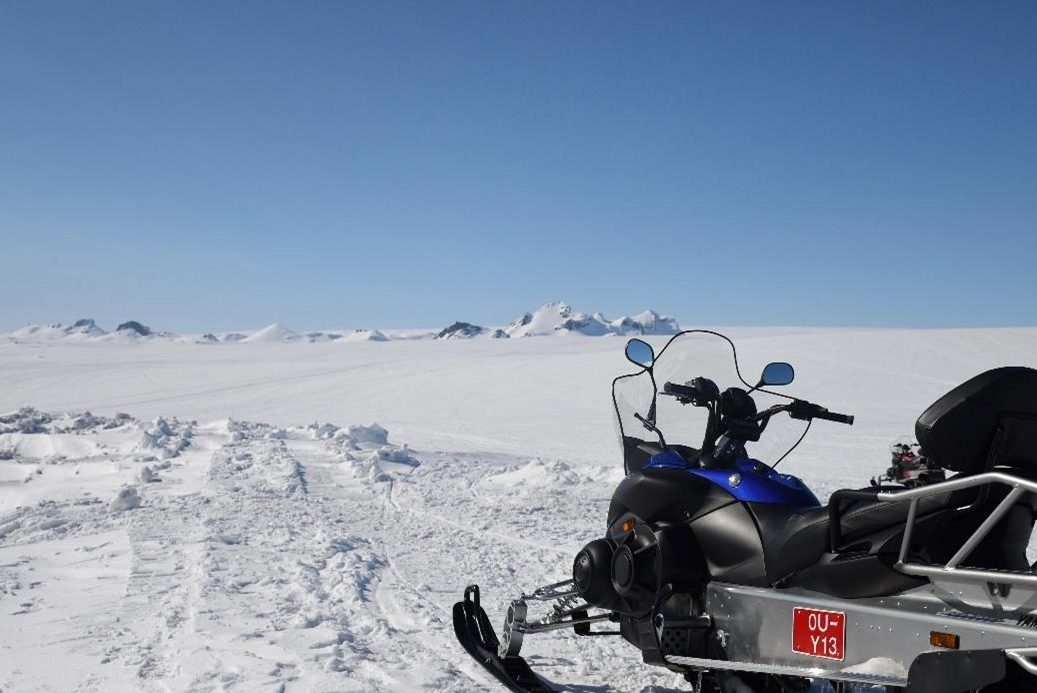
x=640 y=352
x=778 y=373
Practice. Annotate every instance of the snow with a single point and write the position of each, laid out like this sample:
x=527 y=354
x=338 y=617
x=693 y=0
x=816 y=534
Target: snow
x=879 y=666
x=247 y=525
x=271 y=333
x=126 y=499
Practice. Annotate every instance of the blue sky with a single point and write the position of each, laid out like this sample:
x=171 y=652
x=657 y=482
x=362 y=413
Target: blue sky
x=201 y=165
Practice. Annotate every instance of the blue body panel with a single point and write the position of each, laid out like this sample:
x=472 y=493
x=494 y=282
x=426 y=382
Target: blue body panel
x=752 y=485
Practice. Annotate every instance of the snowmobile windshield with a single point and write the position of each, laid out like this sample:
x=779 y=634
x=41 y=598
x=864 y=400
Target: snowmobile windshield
x=638 y=397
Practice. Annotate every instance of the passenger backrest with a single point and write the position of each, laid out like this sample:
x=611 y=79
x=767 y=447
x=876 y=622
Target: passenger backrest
x=988 y=420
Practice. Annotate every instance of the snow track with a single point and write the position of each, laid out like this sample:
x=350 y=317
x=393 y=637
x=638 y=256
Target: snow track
x=310 y=558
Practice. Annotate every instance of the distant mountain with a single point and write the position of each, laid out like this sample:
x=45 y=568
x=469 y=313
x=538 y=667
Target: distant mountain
x=279 y=333
x=364 y=336
x=273 y=332
x=320 y=336
x=460 y=330
x=86 y=329
x=54 y=331
x=560 y=318
x=466 y=330
x=85 y=326
x=134 y=327
x=649 y=322
x=556 y=318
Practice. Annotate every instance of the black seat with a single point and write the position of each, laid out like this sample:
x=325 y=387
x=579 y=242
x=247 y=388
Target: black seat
x=795 y=540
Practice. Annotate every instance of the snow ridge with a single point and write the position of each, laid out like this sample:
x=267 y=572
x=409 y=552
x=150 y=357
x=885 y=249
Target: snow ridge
x=555 y=318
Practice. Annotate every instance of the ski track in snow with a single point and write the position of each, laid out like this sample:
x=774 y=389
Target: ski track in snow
x=271 y=559
x=310 y=558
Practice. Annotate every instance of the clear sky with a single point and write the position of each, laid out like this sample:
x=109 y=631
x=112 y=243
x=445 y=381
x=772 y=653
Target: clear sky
x=215 y=165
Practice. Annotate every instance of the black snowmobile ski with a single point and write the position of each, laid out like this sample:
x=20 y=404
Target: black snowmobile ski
x=476 y=635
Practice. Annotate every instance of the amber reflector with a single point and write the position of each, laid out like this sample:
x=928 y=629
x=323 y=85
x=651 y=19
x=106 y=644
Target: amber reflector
x=628 y=525
x=946 y=640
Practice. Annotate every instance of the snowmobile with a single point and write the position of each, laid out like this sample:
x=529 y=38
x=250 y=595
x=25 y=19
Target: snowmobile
x=909 y=467
x=715 y=565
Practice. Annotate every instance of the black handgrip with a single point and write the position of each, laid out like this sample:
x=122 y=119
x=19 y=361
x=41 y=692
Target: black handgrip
x=680 y=390
x=800 y=409
x=834 y=416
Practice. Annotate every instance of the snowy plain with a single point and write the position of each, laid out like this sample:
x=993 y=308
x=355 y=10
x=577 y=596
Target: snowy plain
x=280 y=541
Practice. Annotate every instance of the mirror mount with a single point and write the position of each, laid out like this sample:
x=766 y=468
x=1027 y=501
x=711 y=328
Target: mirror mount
x=640 y=353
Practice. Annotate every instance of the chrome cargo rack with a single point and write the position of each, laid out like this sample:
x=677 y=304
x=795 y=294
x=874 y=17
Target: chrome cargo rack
x=950 y=570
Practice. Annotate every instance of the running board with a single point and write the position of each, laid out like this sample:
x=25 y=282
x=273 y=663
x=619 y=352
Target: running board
x=476 y=635
x=784 y=670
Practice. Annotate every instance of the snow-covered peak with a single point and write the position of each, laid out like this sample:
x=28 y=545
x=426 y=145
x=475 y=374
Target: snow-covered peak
x=460 y=330
x=466 y=330
x=647 y=322
x=547 y=319
x=86 y=329
x=274 y=332
x=364 y=336
x=85 y=326
x=54 y=331
x=134 y=328
x=555 y=318
x=560 y=318
x=82 y=328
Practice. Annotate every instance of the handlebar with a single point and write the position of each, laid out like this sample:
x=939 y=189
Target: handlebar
x=806 y=411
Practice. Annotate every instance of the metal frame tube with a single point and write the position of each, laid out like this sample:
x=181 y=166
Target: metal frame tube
x=984 y=529
x=957 y=484
x=909 y=528
x=1021 y=657
x=1019 y=486
x=536 y=627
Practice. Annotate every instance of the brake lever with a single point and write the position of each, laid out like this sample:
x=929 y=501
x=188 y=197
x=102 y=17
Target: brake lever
x=680 y=398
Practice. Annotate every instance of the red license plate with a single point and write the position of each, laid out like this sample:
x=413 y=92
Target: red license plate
x=819 y=633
